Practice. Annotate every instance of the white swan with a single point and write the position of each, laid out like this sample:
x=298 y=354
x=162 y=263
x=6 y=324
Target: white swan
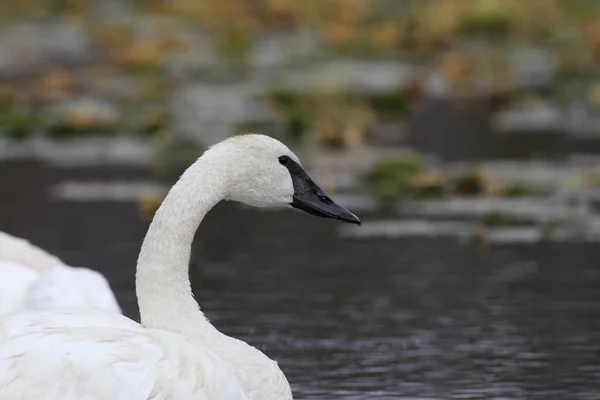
x=14 y=284
x=20 y=252
x=176 y=353
x=33 y=279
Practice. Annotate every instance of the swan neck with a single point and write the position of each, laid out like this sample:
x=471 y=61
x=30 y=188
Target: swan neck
x=162 y=280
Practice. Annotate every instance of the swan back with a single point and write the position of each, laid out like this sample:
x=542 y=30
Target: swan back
x=260 y=376
x=20 y=251
x=80 y=354
x=65 y=287
x=14 y=283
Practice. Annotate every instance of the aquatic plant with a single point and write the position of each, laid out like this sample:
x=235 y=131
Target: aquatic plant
x=407 y=178
x=335 y=117
x=394 y=178
x=17 y=122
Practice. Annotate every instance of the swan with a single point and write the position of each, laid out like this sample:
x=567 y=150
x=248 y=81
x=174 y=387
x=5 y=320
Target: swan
x=36 y=280
x=14 y=283
x=175 y=353
x=21 y=252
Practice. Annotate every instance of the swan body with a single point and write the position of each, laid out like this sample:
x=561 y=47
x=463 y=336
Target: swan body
x=65 y=287
x=73 y=354
x=175 y=353
x=33 y=279
x=14 y=283
x=20 y=252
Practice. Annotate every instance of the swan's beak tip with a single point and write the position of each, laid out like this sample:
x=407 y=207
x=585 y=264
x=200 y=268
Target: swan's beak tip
x=354 y=220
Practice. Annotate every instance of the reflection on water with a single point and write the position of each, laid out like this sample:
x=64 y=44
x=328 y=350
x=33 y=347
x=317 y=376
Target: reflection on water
x=372 y=319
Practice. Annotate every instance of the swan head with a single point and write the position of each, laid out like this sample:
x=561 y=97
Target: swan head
x=263 y=172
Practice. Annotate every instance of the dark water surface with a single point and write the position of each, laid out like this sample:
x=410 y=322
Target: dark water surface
x=376 y=319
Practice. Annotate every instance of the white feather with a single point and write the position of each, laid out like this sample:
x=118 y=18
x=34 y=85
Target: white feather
x=71 y=288
x=19 y=251
x=33 y=279
x=14 y=283
x=77 y=355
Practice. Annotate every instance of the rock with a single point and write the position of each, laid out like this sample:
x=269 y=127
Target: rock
x=199 y=59
x=211 y=113
x=115 y=86
x=529 y=208
x=280 y=49
x=436 y=85
x=363 y=76
x=107 y=191
x=408 y=228
x=81 y=151
x=532 y=66
x=26 y=45
x=464 y=231
x=81 y=114
x=110 y=8
x=580 y=121
x=542 y=117
x=543 y=173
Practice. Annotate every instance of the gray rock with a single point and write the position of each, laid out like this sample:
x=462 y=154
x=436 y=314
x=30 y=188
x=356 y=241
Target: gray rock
x=100 y=110
x=533 y=66
x=75 y=152
x=407 y=228
x=116 y=86
x=24 y=45
x=364 y=76
x=107 y=191
x=110 y=8
x=542 y=117
x=581 y=121
x=467 y=231
x=211 y=113
x=530 y=209
x=200 y=59
x=280 y=49
x=436 y=85
x=545 y=173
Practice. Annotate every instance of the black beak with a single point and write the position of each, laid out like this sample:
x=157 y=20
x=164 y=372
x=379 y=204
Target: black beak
x=309 y=197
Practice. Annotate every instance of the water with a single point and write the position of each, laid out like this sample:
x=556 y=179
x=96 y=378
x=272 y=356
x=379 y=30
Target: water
x=352 y=319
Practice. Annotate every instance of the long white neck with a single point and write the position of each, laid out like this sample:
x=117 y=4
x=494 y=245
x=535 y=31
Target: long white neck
x=162 y=280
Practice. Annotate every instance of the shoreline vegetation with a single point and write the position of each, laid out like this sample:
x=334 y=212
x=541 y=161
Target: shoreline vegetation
x=339 y=79
x=118 y=67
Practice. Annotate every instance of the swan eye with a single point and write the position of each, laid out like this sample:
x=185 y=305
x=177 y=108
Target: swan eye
x=283 y=160
x=325 y=199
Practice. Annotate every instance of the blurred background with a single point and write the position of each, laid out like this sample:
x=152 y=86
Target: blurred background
x=464 y=133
